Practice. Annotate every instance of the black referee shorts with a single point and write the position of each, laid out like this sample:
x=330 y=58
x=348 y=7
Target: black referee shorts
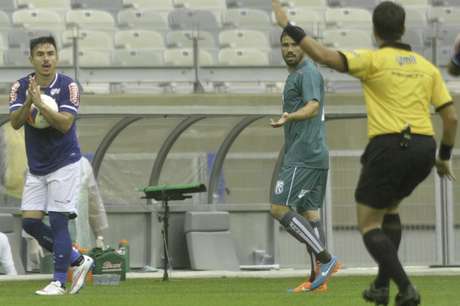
x=389 y=172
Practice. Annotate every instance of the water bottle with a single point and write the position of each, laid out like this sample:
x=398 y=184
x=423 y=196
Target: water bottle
x=123 y=249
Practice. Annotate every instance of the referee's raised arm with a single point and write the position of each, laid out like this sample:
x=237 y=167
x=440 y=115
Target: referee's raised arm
x=317 y=52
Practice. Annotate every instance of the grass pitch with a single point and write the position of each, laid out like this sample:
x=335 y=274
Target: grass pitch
x=343 y=291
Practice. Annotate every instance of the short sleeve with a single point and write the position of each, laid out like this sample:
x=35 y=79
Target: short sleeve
x=440 y=95
x=69 y=98
x=359 y=62
x=17 y=96
x=311 y=85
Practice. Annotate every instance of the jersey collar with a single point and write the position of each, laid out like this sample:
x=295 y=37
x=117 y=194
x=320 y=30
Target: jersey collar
x=396 y=45
x=300 y=65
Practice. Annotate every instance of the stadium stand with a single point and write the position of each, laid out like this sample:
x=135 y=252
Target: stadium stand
x=38 y=19
x=91 y=19
x=311 y=4
x=213 y=5
x=367 y=4
x=55 y=5
x=348 y=17
x=16 y=57
x=243 y=57
x=256 y=4
x=8 y=5
x=347 y=39
x=311 y=21
x=106 y=5
x=149 y=19
x=138 y=57
x=187 y=19
x=184 y=57
x=139 y=39
x=184 y=39
x=243 y=39
x=246 y=19
x=87 y=57
x=89 y=39
x=20 y=37
x=160 y=5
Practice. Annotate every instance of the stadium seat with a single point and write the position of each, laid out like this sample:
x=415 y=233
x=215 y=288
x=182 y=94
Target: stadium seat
x=213 y=5
x=12 y=230
x=5 y=23
x=276 y=58
x=138 y=57
x=244 y=39
x=183 y=39
x=112 y=6
x=413 y=2
x=186 y=19
x=209 y=241
x=17 y=57
x=348 y=39
x=319 y=5
x=243 y=57
x=38 y=19
x=256 y=4
x=415 y=38
x=348 y=17
x=20 y=38
x=311 y=21
x=246 y=19
x=159 y=5
x=91 y=19
x=56 y=5
x=139 y=39
x=8 y=5
x=184 y=57
x=89 y=39
x=367 y=4
x=416 y=17
x=445 y=14
x=87 y=58
x=149 y=19
x=447 y=33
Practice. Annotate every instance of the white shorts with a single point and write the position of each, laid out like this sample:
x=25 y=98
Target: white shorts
x=57 y=191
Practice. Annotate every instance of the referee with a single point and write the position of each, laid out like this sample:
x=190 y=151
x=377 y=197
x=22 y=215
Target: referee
x=399 y=86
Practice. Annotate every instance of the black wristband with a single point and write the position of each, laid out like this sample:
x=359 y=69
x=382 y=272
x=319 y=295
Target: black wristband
x=295 y=32
x=445 y=151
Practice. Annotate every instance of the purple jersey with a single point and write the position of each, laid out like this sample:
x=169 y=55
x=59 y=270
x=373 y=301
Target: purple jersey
x=49 y=149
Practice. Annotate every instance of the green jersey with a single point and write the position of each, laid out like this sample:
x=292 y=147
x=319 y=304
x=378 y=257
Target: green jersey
x=305 y=140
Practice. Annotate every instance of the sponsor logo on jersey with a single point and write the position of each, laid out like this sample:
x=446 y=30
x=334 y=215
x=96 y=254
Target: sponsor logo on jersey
x=14 y=91
x=279 y=187
x=55 y=91
x=303 y=192
x=74 y=94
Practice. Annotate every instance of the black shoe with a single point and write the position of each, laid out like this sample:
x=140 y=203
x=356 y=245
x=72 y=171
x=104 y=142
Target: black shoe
x=379 y=296
x=409 y=297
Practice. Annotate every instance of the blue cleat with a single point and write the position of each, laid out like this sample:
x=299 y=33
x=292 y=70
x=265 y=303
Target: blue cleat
x=325 y=271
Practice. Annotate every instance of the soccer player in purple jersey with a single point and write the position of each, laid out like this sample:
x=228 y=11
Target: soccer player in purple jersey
x=53 y=154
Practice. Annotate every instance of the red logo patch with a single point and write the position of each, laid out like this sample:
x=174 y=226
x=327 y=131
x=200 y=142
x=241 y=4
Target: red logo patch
x=74 y=94
x=14 y=91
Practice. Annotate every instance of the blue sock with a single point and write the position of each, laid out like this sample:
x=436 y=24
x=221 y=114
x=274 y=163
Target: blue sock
x=40 y=231
x=43 y=234
x=62 y=245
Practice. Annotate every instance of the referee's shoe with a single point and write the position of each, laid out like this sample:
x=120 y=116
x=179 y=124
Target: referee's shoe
x=379 y=296
x=408 y=297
